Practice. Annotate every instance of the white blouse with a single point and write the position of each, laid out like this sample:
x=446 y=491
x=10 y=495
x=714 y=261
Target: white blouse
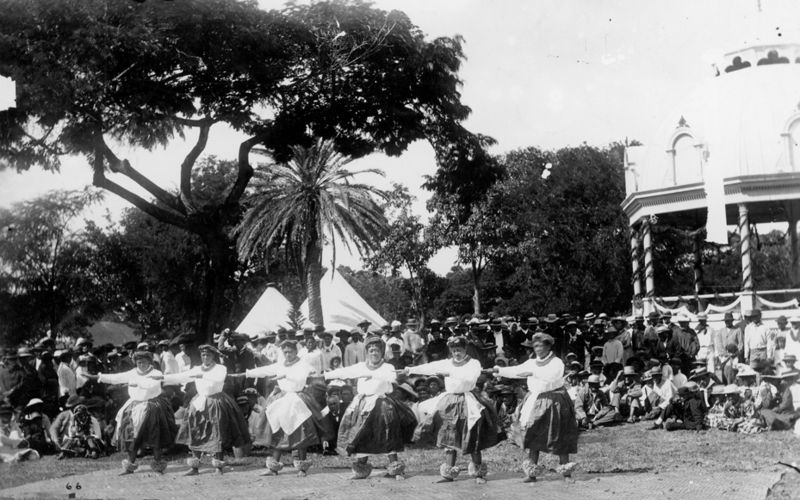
x=379 y=382
x=295 y=375
x=547 y=375
x=211 y=382
x=460 y=379
x=144 y=387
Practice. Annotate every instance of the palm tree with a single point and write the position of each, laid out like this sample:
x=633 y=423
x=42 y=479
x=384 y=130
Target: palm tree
x=305 y=202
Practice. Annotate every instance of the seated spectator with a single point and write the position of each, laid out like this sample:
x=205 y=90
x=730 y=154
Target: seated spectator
x=75 y=432
x=787 y=410
x=626 y=392
x=13 y=445
x=688 y=411
x=595 y=408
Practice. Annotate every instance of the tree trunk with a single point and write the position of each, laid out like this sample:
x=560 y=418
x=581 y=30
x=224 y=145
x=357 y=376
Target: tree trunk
x=218 y=280
x=476 y=291
x=313 y=276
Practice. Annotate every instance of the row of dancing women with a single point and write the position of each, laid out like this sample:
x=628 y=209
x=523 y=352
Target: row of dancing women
x=457 y=420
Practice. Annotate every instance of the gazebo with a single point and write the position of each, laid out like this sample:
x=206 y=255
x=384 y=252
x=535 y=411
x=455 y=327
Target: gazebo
x=729 y=155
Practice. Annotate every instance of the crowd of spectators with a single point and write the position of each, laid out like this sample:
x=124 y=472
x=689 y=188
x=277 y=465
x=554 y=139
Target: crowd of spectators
x=675 y=372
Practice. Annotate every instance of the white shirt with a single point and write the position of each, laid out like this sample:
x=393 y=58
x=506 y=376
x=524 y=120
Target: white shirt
x=328 y=353
x=547 y=375
x=210 y=382
x=371 y=381
x=67 y=383
x=313 y=358
x=184 y=362
x=141 y=386
x=459 y=379
x=756 y=336
x=294 y=375
x=169 y=363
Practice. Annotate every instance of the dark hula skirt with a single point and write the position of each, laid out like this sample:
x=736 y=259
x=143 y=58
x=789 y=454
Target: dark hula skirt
x=551 y=427
x=385 y=429
x=448 y=427
x=216 y=428
x=313 y=431
x=158 y=429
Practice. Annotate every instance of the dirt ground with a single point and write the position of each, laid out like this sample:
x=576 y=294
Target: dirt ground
x=614 y=463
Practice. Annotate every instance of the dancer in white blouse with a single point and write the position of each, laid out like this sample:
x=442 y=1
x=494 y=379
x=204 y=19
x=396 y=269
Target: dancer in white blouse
x=214 y=421
x=294 y=419
x=546 y=417
x=476 y=425
x=146 y=419
x=374 y=423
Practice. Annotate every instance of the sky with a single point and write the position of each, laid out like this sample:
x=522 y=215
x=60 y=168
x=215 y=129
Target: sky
x=545 y=73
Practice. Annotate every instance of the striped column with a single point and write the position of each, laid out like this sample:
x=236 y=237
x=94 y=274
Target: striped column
x=647 y=240
x=636 y=273
x=744 y=246
x=698 y=263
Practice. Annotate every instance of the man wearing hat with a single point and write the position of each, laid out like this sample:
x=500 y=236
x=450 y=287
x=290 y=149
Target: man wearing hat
x=626 y=391
x=437 y=347
x=364 y=327
x=310 y=353
x=329 y=350
x=169 y=364
x=355 y=351
x=650 y=336
x=684 y=343
x=705 y=347
x=393 y=337
x=793 y=337
x=756 y=338
x=728 y=334
x=575 y=342
x=237 y=358
x=413 y=342
x=12 y=378
x=783 y=416
x=612 y=353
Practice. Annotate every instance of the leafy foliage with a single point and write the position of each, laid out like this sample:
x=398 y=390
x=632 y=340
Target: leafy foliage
x=42 y=261
x=300 y=203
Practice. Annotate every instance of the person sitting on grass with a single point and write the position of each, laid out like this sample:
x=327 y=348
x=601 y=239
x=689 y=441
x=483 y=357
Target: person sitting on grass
x=594 y=404
x=626 y=392
x=787 y=411
x=13 y=445
x=81 y=434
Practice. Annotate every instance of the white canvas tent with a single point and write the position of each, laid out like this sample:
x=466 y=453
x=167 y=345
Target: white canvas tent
x=269 y=312
x=342 y=307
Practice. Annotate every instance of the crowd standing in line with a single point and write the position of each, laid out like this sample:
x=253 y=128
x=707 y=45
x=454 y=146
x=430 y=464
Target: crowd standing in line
x=461 y=385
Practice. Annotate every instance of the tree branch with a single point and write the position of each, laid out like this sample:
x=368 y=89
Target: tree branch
x=159 y=213
x=245 y=170
x=187 y=199
x=124 y=167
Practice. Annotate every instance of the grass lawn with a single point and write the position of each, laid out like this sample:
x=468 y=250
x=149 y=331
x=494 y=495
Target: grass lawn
x=626 y=448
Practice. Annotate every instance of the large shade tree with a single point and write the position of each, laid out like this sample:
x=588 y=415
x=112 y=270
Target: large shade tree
x=96 y=76
x=306 y=201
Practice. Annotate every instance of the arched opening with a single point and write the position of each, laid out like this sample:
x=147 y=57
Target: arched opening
x=687 y=168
